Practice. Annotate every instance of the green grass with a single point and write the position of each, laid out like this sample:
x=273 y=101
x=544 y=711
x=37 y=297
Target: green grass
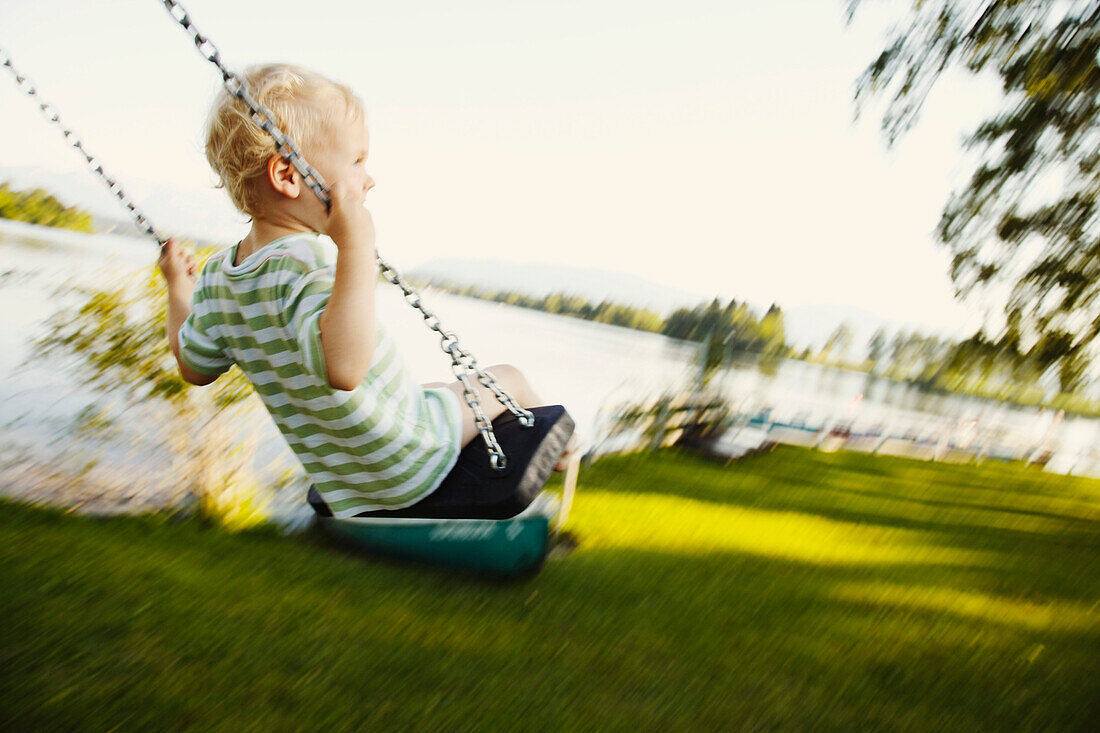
x=792 y=590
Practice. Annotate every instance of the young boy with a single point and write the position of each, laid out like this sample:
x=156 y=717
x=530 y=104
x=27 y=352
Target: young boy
x=298 y=316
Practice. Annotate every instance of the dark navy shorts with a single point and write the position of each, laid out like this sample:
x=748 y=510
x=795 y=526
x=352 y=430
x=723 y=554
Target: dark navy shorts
x=474 y=490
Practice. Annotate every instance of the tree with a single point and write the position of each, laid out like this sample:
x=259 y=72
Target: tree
x=998 y=231
x=876 y=347
x=39 y=207
x=773 y=332
x=112 y=341
x=838 y=342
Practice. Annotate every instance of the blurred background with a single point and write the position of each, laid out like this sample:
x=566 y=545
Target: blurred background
x=817 y=280
x=857 y=225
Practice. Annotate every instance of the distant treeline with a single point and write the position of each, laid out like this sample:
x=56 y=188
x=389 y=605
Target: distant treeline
x=39 y=207
x=734 y=326
x=1043 y=374
x=561 y=304
x=1000 y=369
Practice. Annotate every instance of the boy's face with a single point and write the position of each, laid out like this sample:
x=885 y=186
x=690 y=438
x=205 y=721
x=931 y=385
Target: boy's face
x=341 y=153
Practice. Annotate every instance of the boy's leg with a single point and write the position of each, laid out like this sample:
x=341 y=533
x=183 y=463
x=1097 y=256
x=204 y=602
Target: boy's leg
x=514 y=383
x=510 y=379
x=467 y=491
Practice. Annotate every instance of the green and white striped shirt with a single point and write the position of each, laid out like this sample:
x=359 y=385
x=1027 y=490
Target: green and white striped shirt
x=384 y=445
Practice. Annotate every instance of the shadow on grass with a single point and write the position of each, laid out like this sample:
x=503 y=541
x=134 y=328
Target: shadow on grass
x=1069 y=519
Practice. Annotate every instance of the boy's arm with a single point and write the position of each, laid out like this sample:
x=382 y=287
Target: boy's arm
x=347 y=323
x=178 y=268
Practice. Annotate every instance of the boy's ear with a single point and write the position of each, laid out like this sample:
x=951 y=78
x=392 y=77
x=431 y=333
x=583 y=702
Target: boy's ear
x=283 y=177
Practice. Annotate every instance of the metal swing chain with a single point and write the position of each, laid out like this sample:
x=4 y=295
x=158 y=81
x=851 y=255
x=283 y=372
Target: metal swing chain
x=462 y=362
x=94 y=164
x=449 y=343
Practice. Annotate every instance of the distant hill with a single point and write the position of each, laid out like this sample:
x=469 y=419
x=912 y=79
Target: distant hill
x=540 y=279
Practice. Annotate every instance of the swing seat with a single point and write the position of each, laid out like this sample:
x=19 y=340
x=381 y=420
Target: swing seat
x=479 y=520
x=495 y=547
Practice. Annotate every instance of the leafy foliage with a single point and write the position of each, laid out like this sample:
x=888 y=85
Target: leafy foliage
x=994 y=368
x=112 y=340
x=735 y=325
x=1000 y=232
x=839 y=341
x=724 y=329
x=39 y=207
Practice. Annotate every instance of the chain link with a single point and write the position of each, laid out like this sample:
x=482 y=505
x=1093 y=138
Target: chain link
x=94 y=164
x=260 y=114
x=462 y=362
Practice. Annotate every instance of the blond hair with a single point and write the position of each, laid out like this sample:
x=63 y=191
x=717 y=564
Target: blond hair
x=303 y=103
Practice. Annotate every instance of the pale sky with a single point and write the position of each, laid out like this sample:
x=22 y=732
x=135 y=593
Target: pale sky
x=708 y=146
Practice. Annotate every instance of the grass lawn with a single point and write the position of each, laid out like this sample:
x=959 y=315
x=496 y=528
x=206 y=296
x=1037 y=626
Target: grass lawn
x=792 y=590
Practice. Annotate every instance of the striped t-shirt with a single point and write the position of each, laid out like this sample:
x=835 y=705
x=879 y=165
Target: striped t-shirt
x=385 y=444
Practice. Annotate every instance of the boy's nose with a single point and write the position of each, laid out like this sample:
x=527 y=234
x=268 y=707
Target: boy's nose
x=368 y=183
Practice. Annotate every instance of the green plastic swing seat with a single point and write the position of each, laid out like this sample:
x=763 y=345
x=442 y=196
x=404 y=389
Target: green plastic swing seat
x=505 y=531
x=496 y=547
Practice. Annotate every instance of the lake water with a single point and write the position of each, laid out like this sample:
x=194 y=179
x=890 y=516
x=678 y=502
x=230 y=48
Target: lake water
x=589 y=367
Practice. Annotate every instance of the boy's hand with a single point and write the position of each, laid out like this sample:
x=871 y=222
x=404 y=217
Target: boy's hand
x=349 y=224
x=175 y=264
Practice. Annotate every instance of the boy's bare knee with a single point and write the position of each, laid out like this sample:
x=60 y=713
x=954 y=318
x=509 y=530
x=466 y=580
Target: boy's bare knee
x=512 y=379
x=505 y=372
